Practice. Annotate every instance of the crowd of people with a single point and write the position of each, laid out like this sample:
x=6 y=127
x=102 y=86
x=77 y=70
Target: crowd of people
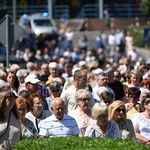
x=76 y=91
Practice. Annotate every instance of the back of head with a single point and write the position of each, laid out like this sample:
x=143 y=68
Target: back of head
x=99 y=109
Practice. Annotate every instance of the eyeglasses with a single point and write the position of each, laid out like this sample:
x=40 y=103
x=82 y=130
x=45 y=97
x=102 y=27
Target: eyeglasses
x=121 y=109
x=55 y=90
x=116 y=76
x=84 y=99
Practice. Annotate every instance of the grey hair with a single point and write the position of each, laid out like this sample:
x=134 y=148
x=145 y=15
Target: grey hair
x=21 y=72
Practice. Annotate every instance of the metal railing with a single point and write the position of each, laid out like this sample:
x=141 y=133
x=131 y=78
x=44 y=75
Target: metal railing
x=61 y=12
x=87 y=11
x=115 y=10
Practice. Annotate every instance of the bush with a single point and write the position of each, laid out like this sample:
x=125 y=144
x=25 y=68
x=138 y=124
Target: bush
x=137 y=34
x=76 y=143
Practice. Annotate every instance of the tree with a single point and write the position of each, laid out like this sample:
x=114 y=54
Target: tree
x=146 y=7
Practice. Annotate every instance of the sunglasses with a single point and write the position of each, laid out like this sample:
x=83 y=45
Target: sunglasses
x=55 y=90
x=116 y=76
x=121 y=109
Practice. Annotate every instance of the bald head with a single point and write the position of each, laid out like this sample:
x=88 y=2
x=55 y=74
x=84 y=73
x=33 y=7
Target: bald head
x=57 y=101
x=58 y=108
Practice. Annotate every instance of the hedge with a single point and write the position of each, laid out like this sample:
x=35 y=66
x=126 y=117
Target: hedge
x=82 y=143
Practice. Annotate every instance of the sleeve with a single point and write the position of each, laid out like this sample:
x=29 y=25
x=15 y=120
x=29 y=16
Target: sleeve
x=116 y=130
x=63 y=96
x=76 y=130
x=89 y=131
x=43 y=129
x=131 y=130
x=135 y=120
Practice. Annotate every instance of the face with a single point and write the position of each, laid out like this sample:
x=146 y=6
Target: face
x=134 y=79
x=82 y=80
x=83 y=102
x=102 y=80
x=116 y=76
x=58 y=109
x=32 y=87
x=119 y=113
x=147 y=106
x=37 y=104
x=133 y=99
x=103 y=119
x=55 y=92
x=44 y=69
x=9 y=103
x=11 y=78
x=22 y=110
x=54 y=72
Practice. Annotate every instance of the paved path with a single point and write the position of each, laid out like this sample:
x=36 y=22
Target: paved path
x=144 y=52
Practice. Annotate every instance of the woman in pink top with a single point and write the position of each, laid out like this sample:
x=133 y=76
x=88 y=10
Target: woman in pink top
x=82 y=113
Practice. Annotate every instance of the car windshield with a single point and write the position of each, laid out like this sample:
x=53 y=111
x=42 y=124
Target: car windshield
x=43 y=22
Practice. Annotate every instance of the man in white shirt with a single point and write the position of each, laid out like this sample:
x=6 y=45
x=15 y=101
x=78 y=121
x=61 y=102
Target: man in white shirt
x=59 y=124
x=101 y=82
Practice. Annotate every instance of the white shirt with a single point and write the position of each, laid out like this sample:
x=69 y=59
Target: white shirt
x=37 y=121
x=96 y=97
x=51 y=127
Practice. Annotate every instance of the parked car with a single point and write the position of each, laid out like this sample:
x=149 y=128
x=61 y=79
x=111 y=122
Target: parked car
x=38 y=23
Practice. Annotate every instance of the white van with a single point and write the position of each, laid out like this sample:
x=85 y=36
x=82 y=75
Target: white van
x=38 y=23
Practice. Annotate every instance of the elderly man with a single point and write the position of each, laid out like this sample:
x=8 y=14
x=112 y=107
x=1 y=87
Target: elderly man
x=102 y=81
x=59 y=124
x=79 y=82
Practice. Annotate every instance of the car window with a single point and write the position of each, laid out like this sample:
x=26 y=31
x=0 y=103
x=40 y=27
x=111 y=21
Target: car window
x=43 y=22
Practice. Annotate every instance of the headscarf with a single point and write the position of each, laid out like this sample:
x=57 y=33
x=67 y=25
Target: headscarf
x=112 y=107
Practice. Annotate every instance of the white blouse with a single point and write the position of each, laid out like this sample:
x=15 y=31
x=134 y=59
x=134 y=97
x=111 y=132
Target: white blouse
x=142 y=123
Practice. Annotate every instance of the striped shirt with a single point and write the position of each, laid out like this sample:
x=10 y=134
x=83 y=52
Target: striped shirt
x=51 y=127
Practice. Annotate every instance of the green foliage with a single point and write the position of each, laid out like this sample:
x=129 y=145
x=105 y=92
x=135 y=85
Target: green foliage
x=76 y=143
x=137 y=34
x=146 y=7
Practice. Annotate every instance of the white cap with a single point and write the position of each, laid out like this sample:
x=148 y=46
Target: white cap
x=74 y=70
x=98 y=71
x=32 y=79
x=53 y=65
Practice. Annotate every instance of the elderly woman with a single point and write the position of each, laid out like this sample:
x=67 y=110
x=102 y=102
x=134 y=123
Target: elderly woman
x=102 y=127
x=82 y=114
x=141 y=122
x=117 y=112
x=37 y=114
x=10 y=129
x=55 y=90
x=27 y=127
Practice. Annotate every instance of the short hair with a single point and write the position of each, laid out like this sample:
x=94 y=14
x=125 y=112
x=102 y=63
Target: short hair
x=54 y=85
x=22 y=100
x=4 y=86
x=22 y=72
x=33 y=96
x=134 y=91
x=78 y=73
x=100 y=90
x=99 y=109
x=80 y=92
x=146 y=101
x=106 y=96
x=145 y=82
x=24 y=93
x=3 y=75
